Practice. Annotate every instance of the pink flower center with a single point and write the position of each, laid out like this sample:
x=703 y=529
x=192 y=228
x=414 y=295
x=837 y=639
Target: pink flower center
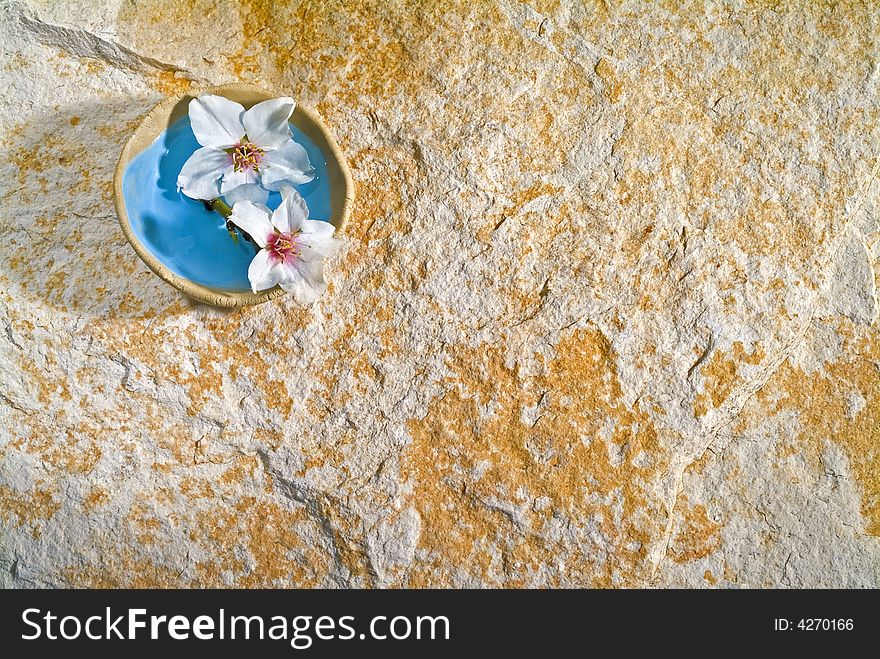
x=246 y=156
x=282 y=246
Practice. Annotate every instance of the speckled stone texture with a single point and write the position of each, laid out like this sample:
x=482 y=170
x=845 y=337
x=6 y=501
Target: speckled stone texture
x=605 y=314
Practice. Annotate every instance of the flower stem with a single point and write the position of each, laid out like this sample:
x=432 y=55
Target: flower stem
x=218 y=205
x=225 y=211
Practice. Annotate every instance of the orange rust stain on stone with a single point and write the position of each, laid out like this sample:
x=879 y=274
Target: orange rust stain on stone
x=170 y=83
x=823 y=404
x=721 y=375
x=546 y=7
x=119 y=130
x=380 y=211
x=271 y=437
x=249 y=360
x=266 y=48
x=474 y=460
x=695 y=536
x=32 y=508
x=374 y=39
x=196 y=488
x=206 y=385
x=121 y=569
x=48 y=388
x=28 y=161
x=267 y=533
x=17 y=62
x=144 y=522
x=96 y=498
x=229 y=355
x=95 y=67
x=244 y=468
x=82 y=182
x=729 y=574
x=250 y=541
x=613 y=88
x=50 y=150
x=520 y=199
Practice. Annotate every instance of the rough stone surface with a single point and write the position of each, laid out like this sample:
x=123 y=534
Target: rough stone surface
x=606 y=313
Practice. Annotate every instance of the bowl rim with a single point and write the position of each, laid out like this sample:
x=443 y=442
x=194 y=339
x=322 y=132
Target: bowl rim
x=131 y=148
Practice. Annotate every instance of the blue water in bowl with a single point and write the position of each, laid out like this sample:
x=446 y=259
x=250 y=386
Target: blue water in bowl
x=190 y=241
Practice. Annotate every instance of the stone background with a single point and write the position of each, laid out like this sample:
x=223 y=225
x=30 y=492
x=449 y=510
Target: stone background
x=606 y=313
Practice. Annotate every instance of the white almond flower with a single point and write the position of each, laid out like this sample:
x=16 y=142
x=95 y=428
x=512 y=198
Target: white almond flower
x=244 y=152
x=292 y=247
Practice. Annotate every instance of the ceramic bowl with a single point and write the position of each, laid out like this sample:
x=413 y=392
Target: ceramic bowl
x=180 y=249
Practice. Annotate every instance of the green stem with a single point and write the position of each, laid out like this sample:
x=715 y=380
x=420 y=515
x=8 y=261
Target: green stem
x=218 y=205
x=225 y=210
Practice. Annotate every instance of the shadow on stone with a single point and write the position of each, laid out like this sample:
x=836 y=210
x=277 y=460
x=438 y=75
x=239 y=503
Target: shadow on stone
x=60 y=240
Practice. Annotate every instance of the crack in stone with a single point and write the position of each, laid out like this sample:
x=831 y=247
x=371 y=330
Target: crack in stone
x=710 y=345
x=315 y=503
x=11 y=403
x=11 y=336
x=83 y=43
x=738 y=399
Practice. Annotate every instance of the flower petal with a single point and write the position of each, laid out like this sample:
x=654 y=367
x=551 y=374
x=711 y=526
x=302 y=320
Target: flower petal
x=317 y=239
x=288 y=164
x=318 y=229
x=200 y=174
x=266 y=122
x=254 y=219
x=264 y=272
x=303 y=280
x=292 y=212
x=254 y=193
x=242 y=177
x=216 y=121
